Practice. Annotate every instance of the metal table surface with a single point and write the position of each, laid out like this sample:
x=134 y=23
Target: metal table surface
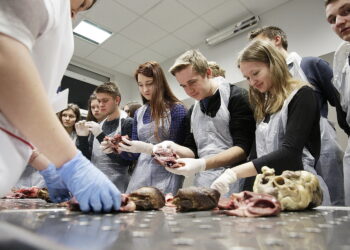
x=40 y=225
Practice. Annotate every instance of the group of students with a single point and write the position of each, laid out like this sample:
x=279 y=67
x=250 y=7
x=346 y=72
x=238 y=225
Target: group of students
x=225 y=138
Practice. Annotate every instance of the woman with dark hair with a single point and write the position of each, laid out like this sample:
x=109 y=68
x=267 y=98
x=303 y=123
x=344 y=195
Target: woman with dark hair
x=85 y=140
x=68 y=117
x=131 y=107
x=94 y=113
x=161 y=117
x=287 y=135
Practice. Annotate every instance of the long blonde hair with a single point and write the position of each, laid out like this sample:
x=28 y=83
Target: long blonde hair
x=282 y=83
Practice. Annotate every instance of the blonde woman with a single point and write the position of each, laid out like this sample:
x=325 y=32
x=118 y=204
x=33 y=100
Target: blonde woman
x=287 y=115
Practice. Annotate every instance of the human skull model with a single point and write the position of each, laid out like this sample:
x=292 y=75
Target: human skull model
x=295 y=190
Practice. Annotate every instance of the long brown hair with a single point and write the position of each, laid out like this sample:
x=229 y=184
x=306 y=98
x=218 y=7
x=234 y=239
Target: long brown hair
x=75 y=108
x=282 y=83
x=162 y=97
x=90 y=116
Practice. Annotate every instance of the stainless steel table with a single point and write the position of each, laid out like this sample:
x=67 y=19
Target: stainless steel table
x=44 y=226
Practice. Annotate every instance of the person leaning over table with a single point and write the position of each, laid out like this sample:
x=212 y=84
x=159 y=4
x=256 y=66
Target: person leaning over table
x=287 y=136
x=36 y=45
x=219 y=126
x=116 y=122
x=160 y=118
x=319 y=74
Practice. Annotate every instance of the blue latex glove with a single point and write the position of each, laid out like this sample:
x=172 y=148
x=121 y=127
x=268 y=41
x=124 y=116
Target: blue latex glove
x=93 y=190
x=58 y=191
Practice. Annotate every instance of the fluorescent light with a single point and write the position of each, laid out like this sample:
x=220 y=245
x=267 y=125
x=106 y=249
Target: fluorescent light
x=233 y=30
x=91 y=32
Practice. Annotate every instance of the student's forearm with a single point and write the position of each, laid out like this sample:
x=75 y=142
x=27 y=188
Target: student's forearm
x=183 y=152
x=245 y=170
x=38 y=161
x=228 y=157
x=24 y=103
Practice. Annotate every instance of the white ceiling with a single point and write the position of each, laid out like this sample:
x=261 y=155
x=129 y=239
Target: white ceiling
x=157 y=29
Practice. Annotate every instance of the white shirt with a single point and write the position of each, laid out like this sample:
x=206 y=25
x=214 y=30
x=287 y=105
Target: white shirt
x=45 y=28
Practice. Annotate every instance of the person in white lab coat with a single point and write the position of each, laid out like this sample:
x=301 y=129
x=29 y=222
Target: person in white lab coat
x=36 y=45
x=338 y=16
x=319 y=74
x=287 y=136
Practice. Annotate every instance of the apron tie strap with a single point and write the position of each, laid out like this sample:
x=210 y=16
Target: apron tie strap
x=17 y=137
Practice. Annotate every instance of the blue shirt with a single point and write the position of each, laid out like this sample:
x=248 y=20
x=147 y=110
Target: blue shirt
x=178 y=114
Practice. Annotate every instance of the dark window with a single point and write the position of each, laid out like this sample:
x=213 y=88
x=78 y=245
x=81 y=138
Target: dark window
x=79 y=91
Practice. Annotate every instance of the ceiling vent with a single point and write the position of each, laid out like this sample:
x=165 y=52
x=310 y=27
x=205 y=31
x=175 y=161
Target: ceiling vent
x=233 y=30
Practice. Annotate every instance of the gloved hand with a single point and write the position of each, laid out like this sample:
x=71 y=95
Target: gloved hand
x=93 y=190
x=106 y=147
x=94 y=128
x=223 y=182
x=135 y=146
x=81 y=129
x=164 y=145
x=58 y=191
x=191 y=167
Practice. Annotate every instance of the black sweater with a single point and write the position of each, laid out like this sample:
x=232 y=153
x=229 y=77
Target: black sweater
x=242 y=123
x=302 y=130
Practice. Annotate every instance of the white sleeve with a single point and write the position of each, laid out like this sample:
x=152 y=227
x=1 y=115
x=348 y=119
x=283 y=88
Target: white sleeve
x=23 y=20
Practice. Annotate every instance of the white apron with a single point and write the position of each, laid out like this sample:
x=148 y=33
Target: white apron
x=116 y=172
x=212 y=136
x=269 y=137
x=341 y=81
x=330 y=163
x=147 y=171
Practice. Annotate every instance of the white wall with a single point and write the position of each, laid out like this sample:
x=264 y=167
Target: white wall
x=306 y=27
x=128 y=89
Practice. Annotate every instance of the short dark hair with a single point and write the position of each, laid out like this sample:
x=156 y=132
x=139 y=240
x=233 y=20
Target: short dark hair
x=270 y=32
x=109 y=88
